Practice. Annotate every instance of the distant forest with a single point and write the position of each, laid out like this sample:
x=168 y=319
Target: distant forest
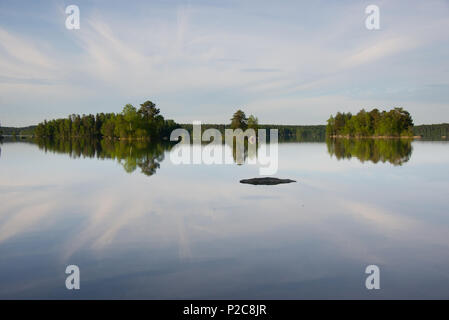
x=394 y=123
x=432 y=131
x=147 y=123
x=13 y=131
x=285 y=132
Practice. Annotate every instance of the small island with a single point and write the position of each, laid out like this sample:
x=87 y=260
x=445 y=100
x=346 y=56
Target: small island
x=373 y=124
x=266 y=181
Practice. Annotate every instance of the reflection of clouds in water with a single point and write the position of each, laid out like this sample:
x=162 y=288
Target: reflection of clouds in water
x=185 y=251
x=23 y=210
x=133 y=211
x=121 y=212
x=396 y=225
x=95 y=230
x=128 y=211
x=258 y=198
x=25 y=219
x=197 y=209
x=425 y=152
x=378 y=217
x=25 y=188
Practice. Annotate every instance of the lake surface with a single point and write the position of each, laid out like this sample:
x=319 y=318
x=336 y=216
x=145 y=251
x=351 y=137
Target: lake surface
x=139 y=226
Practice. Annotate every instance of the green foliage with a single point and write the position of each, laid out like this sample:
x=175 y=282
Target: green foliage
x=253 y=122
x=145 y=123
x=239 y=120
x=148 y=110
x=396 y=122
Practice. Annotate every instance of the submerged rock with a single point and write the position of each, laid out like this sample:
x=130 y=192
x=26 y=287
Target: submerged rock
x=266 y=181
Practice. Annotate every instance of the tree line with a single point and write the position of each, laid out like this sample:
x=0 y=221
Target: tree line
x=432 y=131
x=396 y=122
x=13 y=131
x=147 y=122
x=143 y=123
x=285 y=132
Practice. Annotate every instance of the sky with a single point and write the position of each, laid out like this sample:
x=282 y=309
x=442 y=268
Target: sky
x=286 y=62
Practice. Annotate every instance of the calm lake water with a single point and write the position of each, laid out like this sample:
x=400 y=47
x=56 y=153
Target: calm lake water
x=141 y=227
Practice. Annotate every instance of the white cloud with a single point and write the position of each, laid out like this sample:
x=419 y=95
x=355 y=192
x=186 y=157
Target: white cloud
x=200 y=55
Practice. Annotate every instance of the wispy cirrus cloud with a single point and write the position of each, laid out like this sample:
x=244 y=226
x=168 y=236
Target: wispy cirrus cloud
x=190 y=58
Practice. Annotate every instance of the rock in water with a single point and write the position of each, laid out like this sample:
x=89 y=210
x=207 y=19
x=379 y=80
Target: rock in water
x=266 y=181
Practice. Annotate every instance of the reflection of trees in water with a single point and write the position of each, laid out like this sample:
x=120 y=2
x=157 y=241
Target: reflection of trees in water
x=130 y=154
x=395 y=151
x=242 y=151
